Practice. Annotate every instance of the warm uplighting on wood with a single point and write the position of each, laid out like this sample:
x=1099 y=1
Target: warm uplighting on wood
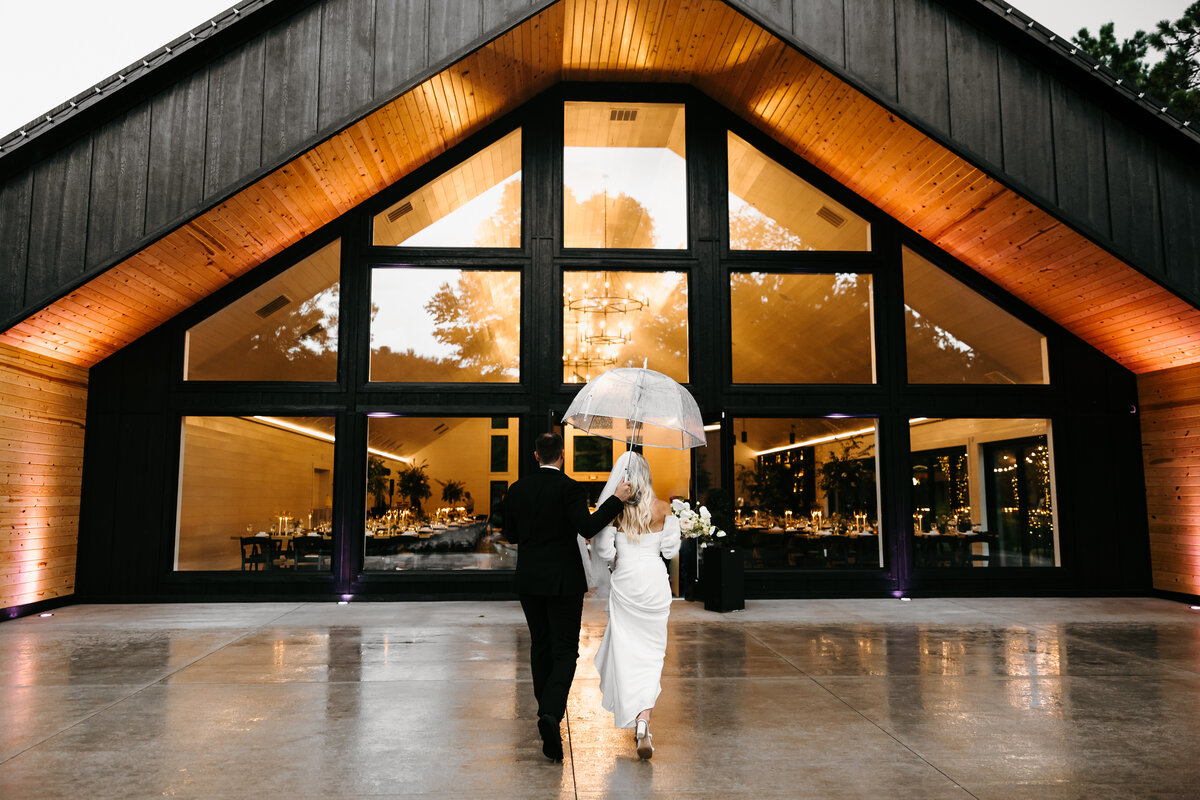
x=1170 y=408
x=42 y=408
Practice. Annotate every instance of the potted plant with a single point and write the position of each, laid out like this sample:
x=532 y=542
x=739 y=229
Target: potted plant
x=377 y=484
x=413 y=484
x=843 y=475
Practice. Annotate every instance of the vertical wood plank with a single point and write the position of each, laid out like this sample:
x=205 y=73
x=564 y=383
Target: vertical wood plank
x=499 y=14
x=778 y=13
x=233 y=145
x=120 y=163
x=871 y=44
x=347 y=58
x=921 y=65
x=1133 y=192
x=974 y=90
x=58 y=221
x=16 y=196
x=292 y=59
x=400 y=43
x=1180 y=199
x=178 y=129
x=1026 y=125
x=1079 y=157
x=822 y=27
x=452 y=25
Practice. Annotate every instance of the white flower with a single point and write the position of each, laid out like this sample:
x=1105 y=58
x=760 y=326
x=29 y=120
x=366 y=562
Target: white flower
x=704 y=515
x=720 y=534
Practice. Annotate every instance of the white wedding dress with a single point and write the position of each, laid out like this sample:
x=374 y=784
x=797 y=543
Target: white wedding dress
x=630 y=658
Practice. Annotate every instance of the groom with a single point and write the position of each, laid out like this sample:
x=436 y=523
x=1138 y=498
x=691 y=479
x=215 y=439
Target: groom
x=542 y=513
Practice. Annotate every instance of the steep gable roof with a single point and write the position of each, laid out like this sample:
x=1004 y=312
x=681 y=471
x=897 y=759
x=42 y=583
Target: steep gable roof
x=856 y=89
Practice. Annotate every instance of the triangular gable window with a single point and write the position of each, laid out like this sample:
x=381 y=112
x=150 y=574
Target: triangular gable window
x=475 y=204
x=770 y=208
x=956 y=336
x=285 y=330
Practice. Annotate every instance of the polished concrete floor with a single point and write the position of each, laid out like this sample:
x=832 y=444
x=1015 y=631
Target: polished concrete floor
x=929 y=699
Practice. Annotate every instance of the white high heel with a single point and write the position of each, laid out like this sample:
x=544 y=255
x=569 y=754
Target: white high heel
x=645 y=746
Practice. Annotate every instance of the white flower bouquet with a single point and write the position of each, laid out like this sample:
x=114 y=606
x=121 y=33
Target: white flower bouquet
x=695 y=524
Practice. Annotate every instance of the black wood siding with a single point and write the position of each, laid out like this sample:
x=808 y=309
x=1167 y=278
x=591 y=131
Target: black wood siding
x=974 y=86
x=15 y=199
x=347 y=40
x=58 y=223
x=942 y=64
x=117 y=206
x=175 y=183
x=235 y=113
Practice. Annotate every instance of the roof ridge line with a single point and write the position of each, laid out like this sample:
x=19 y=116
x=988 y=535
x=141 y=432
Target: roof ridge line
x=12 y=141
x=1072 y=52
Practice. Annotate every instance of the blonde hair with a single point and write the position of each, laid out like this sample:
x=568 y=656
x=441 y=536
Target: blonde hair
x=634 y=520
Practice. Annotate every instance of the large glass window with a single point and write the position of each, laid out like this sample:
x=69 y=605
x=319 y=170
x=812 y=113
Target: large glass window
x=956 y=336
x=983 y=493
x=806 y=494
x=801 y=328
x=624 y=176
x=285 y=330
x=770 y=208
x=255 y=494
x=434 y=493
x=475 y=204
x=624 y=319
x=445 y=325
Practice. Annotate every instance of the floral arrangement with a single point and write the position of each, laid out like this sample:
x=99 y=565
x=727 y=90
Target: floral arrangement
x=693 y=524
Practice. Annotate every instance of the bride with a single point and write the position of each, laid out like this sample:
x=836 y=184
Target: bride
x=630 y=658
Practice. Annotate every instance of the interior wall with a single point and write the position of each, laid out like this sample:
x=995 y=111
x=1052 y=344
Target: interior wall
x=239 y=472
x=1170 y=411
x=43 y=406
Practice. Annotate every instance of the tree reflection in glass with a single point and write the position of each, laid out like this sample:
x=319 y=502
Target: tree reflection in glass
x=445 y=325
x=955 y=335
x=801 y=328
x=285 y=330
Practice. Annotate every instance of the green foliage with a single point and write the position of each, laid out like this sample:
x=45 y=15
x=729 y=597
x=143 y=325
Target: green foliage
x=844 y=475
x=413 y=484
x=453 y=492
x=1175 y=79
x=768 y=483
x=1126 y=58
x=377 y=483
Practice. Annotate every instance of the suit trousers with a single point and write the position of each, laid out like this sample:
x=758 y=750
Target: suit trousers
x=553 y=647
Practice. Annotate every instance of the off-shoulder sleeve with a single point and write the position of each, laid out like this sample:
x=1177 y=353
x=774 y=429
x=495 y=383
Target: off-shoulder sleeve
x=605 y=543
x=670 y=537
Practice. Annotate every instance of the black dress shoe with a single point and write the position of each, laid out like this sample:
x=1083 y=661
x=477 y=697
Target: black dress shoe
x=551 y=738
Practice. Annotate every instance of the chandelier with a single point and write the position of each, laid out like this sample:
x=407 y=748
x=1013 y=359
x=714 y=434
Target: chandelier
x=601 y=324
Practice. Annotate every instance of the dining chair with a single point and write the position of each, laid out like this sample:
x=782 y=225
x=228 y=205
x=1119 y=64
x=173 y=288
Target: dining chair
x=256 y=553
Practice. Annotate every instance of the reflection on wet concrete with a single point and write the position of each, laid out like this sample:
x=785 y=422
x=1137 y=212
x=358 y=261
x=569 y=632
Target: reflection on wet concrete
x=789 y=699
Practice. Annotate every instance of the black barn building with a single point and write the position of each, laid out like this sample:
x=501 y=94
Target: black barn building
x=285 y=303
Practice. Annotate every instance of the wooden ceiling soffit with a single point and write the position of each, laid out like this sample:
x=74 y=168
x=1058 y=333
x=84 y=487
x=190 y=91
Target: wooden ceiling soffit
x=936 y=193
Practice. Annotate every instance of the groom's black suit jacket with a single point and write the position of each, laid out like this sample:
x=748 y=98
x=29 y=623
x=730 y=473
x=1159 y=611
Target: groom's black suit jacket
x=542 y=513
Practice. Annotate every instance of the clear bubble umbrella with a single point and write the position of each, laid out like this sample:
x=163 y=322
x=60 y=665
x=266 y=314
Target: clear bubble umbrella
x=638 y=406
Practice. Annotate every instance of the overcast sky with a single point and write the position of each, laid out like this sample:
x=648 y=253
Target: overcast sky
x=51 y=50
